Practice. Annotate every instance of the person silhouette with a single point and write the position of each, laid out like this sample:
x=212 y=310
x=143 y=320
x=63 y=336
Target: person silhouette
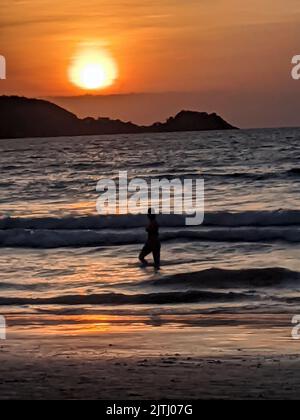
x=153 y=244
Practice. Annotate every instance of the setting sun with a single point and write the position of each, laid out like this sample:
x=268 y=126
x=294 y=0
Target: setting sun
x=93 y=69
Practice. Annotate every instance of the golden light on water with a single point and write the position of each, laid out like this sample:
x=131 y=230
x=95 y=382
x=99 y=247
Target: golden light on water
x=92 y=69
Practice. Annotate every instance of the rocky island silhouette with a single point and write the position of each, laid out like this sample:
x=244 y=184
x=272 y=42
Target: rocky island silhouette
x=22 y=117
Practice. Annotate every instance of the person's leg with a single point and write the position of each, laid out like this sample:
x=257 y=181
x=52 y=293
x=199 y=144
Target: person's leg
x=156 y=256
x=145 y=252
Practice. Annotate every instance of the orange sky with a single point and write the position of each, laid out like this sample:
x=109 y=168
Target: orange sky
x=160 y=45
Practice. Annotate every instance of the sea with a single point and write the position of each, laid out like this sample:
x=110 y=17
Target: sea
x=64 y=267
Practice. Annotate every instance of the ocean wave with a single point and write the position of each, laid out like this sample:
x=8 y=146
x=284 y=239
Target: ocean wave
x=254 y=176
x=87 y=238
x=4 y=185
x=242 y=176
x=226 y=279
x=218 y=219
x=91 y=231
x=294 y=171
x=87 y=166
x=192 y=296
x=253 y=218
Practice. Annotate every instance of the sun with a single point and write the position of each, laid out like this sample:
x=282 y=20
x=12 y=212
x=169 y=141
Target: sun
x=93 y=69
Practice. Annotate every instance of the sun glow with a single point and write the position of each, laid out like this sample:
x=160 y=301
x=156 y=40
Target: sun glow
x=93 y=69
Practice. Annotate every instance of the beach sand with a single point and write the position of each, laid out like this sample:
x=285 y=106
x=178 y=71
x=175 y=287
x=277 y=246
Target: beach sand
x=208 y=362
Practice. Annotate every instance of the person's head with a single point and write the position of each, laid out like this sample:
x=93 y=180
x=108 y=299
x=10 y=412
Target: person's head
x=151 y=215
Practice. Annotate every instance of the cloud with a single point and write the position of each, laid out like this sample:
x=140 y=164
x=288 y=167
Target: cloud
x=19 y=13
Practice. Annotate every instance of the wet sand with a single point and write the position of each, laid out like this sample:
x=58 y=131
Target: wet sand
x=158 y=363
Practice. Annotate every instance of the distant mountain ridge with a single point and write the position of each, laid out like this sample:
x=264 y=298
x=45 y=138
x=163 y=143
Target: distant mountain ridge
x=22 y=117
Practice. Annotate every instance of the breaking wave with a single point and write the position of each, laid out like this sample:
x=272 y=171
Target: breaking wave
x=221 y=219
x=226 y=279
x=89 y=231
x=87 y=238
x=125 y=299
